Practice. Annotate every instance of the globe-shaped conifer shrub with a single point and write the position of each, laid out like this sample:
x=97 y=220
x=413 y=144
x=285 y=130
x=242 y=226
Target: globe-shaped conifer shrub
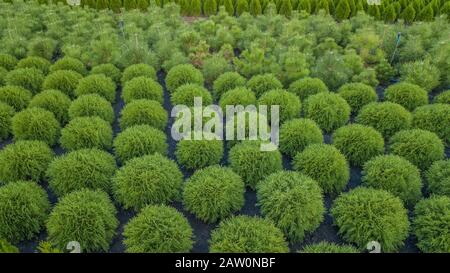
x=407 y=95
x=109 y=70
x=97 y=84
x=357 y=95
x=213 y=193
x=8 y=61
x=227 y=81
x=297 y=134
x=85 y=168
x=69 y=63
x=252 y=164
x=325 y=247
x=24 y=207
x=138 y=70
x=142 y=88
x=24 y=160
x=289 y=104
x=196 y=154
x=395 y=175
x=306 y=87
x=329 y=110
x=54 y=101
x=293 y=201
x=238 y=96
x=65 y=81
x=28 y=78
x=261 y=84
x=246 y=234
x=431 y=225
x=146 y=180
x=358 y=211
x=443 y=97
x=15 y=96
x=6 y=247
x=438 y=177
x=139 y=140
x=325 y=164
x=6 y=113
x=434 y=118
x=182 y=74
x=86 y=132
x=36 y=124
x=186 y=93
x=158 y=229
x=91 y=105
x=35 y=62
x=420 y=147
x=386 y=117
x=358 y=143
x=140 y=112
x=85 y=216
x=3 y=73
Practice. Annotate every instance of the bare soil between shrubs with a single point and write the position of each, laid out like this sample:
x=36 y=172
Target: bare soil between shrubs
x=202 y=231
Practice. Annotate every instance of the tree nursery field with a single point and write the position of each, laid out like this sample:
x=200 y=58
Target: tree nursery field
x=87 y=153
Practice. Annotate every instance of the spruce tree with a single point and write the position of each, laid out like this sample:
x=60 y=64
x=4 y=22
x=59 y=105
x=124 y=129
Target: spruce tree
x=426 y=14
x=196 y=8
x=229 y=7
x=374 y=11
x=129 y=4
x=241 y=6
x=342 y=10
x=389 y=14
x=209 y=7
x=102 y=4
x=142 y=4
x=446 y=10
x=255 y=7
x=323 y=5
x=184 y=7
x=408 y=14
x=285 y=8
x=304 y=5
x=115 y=5
x=352 y=6
x=271 y=9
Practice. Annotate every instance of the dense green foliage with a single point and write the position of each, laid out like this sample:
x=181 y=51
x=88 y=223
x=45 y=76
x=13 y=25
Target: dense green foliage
x=261 y=84
x=357 y=95
x=15 y=96
x=138 y=70
x=438 y=177
x=196 y=154
x=227 y=81
x=325 y=247
x=237 y=96
x=182 y=74
x=330 y=111
x=186 y=93
x=54 y=101
x=97 y=84
x=143 y=111
x=86 y=132
x=6 y=113
x=434 y=118
x=306 y=87
x=62 y=80
x=297 y=134
x=28 y=78
x=142 y=88
x=91 y=105
x=289 y=104
x=407 y=95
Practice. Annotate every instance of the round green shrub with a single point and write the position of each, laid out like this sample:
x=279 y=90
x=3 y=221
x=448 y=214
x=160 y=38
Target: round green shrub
x=91 y=105
x=85 y=216
x=357 y=95
x=443 y=97
x=139 y=140
x=386 y=117
x=147 y=180
x=6 y=113
x=227 y=81
x=85 y=168
x=43 y=47
x=197 y=154
x=246 y=234
x=54 y=101
x=15 y=96
x=24 y=208
x=306 y=87
x=431 y=225
x=325 y=164
x=8 y=61
x=213 y=193
x=158 y=229
x=24 y=160
x=238 y=96
x=142 y=88
x=245 y=128
x=289 y=104
x=36 y=124
x=182 y=74
x=422 y=73
x=35 y=62
x=185 y=95
x=438 y=177
x=64 y=80
x=252 y=164
x=148 y=112
x=261 y=84
x=325 y=247
x=138 y=70
x=28 y=78
x=365 y=214
x=3 y=73
x=69 y=63
x=329 y=110
x=293 y=201
x=358 y=143
x=434 y=118
x=109 y=70
x=407 y=95
x=6 y=247
x=86 y=132
x=296 y=134
x=97 y=84
x=395 y=175
x=420 y=147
